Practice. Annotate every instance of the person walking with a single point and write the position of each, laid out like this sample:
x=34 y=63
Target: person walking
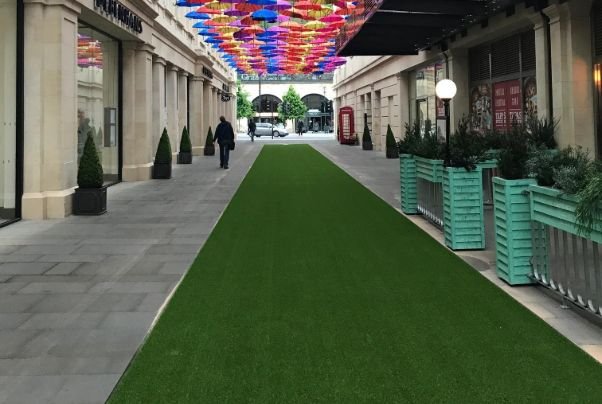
x=300 y=128
x=252 y=128
x=224 y=135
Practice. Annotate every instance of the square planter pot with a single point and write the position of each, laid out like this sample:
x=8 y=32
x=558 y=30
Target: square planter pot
x=90 y=201
x=513 y=231
x=430 y=170
x=209 y=150
x=184 y=158
x=392 y=152
x=407 y=176
x=554 y=208
x=161 y=171
x=463 y=223
x=366 y=145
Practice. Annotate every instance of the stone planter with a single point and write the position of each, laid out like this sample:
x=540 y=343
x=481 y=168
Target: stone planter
x=184 y=158
x=161 y=171
x=463 y=223
x=407 y=176
x=430 y=170
x=513 y=237
x=209 y=150
x=90 y=201
x=554 y=208
x=366 y=145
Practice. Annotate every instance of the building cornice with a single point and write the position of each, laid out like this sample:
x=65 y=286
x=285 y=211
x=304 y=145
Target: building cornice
x=361 y=72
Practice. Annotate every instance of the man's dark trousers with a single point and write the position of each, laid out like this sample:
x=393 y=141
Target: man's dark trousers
x=224 y=154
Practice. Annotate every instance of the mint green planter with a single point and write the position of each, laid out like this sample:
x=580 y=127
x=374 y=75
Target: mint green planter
x=513 y=232
x=552 y=207
x=463 y=222
x=430 y=170
x=407 y=175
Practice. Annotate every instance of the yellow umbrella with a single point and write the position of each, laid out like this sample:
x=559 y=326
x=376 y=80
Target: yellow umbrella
x=224 y=19
x=217 y=5
x=314 y=25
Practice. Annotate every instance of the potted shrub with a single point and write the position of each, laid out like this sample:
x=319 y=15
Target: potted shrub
x=162 y=165
x=407 y=168
x=464 y=224
x=209 y=149
x=90 y=197
x=366 y=139
x=185 y=154
x=392 y=152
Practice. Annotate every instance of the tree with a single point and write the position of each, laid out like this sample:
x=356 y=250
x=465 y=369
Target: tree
x=291 y=107
x=89 y=173
x=244 y=107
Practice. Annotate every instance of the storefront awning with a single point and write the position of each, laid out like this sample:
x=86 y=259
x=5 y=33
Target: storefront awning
x=404 y=27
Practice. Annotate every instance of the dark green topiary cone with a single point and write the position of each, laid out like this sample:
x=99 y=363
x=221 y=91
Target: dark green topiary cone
x=163 y=155
x=185 y=145
x=392 y=151
x=89 y=173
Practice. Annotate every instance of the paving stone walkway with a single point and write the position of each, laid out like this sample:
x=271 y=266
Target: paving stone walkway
x=78 y=296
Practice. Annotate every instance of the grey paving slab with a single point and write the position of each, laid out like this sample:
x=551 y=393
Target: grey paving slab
x=22 y=268
x=78 y=295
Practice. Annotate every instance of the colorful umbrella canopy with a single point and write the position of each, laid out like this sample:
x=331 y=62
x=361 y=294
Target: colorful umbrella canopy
x=274 y=36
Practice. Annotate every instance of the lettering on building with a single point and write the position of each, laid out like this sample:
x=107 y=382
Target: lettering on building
x=207 y=72
x=115 y=10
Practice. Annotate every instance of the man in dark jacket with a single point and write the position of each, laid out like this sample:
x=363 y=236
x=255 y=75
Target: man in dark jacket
x=252 y=128
x=224 y=135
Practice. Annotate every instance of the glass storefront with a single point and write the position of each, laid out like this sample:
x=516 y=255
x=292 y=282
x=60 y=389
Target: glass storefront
x=8 y=110
x=98 y=97
x=425 y=107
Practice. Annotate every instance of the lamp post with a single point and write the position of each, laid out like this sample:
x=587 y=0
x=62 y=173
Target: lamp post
x=446 y=90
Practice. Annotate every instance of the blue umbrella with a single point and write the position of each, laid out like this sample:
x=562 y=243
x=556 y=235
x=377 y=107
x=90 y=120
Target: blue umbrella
x=197 y=16
x=265 y=15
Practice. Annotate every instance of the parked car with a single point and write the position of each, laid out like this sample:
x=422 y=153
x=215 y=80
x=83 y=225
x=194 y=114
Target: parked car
x=267 y=129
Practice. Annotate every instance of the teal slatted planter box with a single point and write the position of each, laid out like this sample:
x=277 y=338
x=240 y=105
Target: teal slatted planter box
x=463 y=222
x=430 y=170
x=513 y=231
x=407 y=175
x=554 y=208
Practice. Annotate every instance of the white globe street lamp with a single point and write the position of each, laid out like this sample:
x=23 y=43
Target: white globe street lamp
x=446 y=90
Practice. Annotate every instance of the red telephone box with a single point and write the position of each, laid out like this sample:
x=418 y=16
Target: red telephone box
x=346 y=126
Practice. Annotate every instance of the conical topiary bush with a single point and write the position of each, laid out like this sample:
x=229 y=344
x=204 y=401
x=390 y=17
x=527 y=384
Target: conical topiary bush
x=90 y=198
x=366 y=139
x=209 y=146
x=162 y=166
x=89 y=173
x=392 y=151
x=185 y=154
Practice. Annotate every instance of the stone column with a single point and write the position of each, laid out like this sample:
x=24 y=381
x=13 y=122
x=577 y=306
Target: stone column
x=206 y=109
x=542 y=71
x=171 y=89
x=197 y=132
x=182 y=103
x=459 y=72
x=572 y=73
x=51 y=119
x=159 y=108
x=138 y=151
x=404 y=100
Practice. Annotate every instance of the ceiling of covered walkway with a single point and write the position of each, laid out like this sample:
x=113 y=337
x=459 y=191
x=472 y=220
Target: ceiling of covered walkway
x=404 y=27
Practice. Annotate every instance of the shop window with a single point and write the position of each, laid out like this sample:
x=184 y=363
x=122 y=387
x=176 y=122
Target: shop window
x=424 y=105
x=8 y=109
x=98 y=97
x=504 y=88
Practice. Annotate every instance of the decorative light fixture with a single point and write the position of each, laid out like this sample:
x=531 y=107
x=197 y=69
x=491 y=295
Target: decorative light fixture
x=446 y=90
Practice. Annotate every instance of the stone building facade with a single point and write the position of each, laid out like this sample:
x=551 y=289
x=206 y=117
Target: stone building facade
x=119 y=70
x=518 y=62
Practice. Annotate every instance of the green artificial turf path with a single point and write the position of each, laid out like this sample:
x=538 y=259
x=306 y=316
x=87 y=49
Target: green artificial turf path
x=311 y=289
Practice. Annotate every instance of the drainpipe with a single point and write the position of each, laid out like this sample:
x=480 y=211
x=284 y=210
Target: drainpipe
x=548 y=36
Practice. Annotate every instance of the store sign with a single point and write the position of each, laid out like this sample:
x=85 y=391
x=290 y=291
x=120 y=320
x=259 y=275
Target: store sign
x=207 y=72
x=507 y=104
x=113 y=9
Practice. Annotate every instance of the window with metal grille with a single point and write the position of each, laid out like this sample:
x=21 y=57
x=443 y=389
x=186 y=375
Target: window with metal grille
x=479 y=63
x=505 y=57
x=527 y=50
